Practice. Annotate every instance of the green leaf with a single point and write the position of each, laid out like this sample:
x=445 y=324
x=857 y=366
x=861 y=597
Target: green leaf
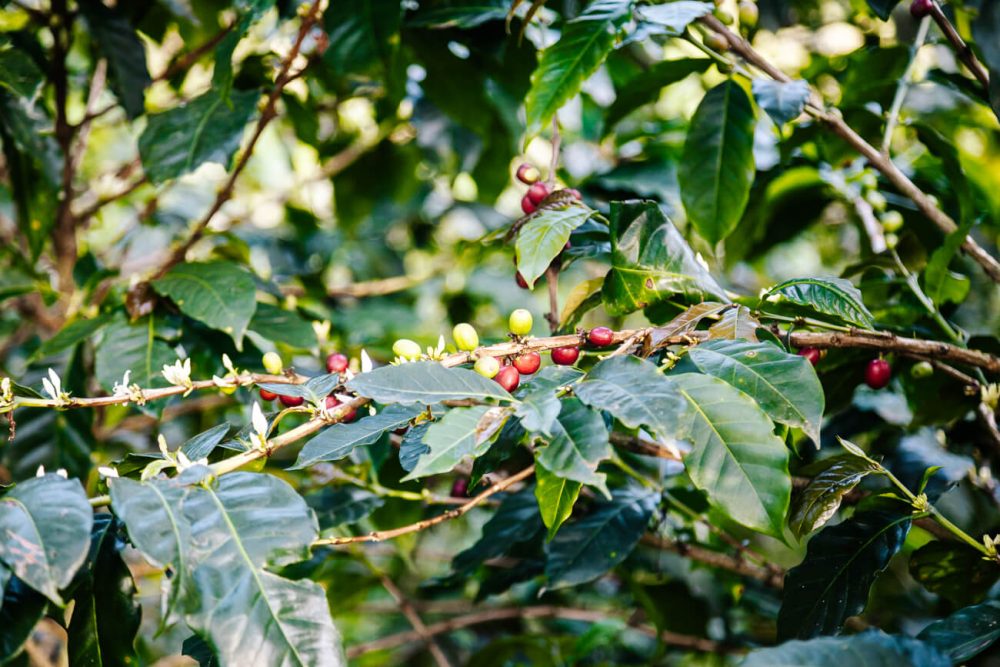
x=940 y=284
x=222 y=74
x=106 y=614
x=784 y=385
x=736 y=323
x=135 y=348
x=966 y=633
x=821 y=499
x=538 y=411
x=735 y=457
x=118 y=41
x=954 y=571
x=31 y=130
x=21 y=608
x=425 y=382
x=635 y=392
x=676 y=16
x=516 y=521
x=986 y=30
x=45 y=522
x=556 y=496
x=841 y=564
x=18 y=72
x=584 y=550
x=463 y=14
x=651 y=262
x=284 y=326
x=461 y=432
x=782 y=100
x=870 y=649
x=717 y=169
x=206 y=129
x=544 y=236
x=343 y=505
x=563 y=67
x=220 y=295
x=363 y=37
x=201 y=445
x=70 y=335
x=831 y=297
x=645 y=87
x=339 y=440
x=579 y=444
x=239 y=524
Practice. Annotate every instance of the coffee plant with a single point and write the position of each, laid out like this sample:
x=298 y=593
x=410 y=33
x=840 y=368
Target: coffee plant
x=445 y=332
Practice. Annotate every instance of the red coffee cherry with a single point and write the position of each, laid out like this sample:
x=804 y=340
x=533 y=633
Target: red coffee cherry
x=521 y=282
x=878 y=372
x=528 y=363
x=527 y=205
x=566 y=356
x=332 y=402
x=460 y=488
x=538 y=192
x=600 y=336
x=291 y=401
x=508 y=378
x=527 y=174
x=336 y=363
x=810 y=353
x=921 y=8
x=266 y=395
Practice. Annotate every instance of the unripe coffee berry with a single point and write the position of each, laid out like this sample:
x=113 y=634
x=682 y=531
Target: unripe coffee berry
x=527 y=205
x=892 y=221
x=810 y=353
x=538 y=192
x=600 y=336
x=921 y=370
x=878 y=372
x=566 y=356
x=508 y=378
x=520 y=322
x=336 y=363
x=291 y=401
x=528 y=363
x=716 y=42
x=488 y=367
x=528 y=174
x=465 y=336
x=273 y=363
x=749 y=14
x=266 y=395
x=405 y=348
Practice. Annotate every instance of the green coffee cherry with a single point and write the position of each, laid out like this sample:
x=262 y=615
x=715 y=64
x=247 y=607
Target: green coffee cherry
x=520 y=322
x=405 y=348
x=465 y=336
x=273 y=363
x=488 y=367
x=749 y=14
x=892 y=221
x=724 y=16
x=716 y=42
x=921 y=370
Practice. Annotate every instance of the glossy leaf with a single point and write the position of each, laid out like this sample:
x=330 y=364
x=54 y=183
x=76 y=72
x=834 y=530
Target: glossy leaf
x=21 y=608
x=466 y=14
x=538 y=411
x=205 y=129
x=119 y=42
x=966 y=633
x=413 y=447
x=651 y=262
x=586 y=549
x=71 y=335
x=954 y=571
x=556 y=496
x=315 y=389
x=563 y=67
x=841 y=563
x=284 y=326
x=18 y=72
x=782 y=101
x=735 y=457
x=831 y=297
x=717 y=168
x=736 y=323
x=461 y=432
x=579 y=444
x=516 y=520
x=821 y=499
x=343 y=505
x=425 y=382
x=201 y=445
x=543 y=237
x=871 y=649
x=784 y=385
x=45 y=522
x=339 y=440
x=132 y=347
x=220 y=295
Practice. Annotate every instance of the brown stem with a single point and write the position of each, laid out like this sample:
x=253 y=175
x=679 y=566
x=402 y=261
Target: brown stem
x=772 y=576
x=962 y=49
x=552 y=280
x=64 y=229
x=833 y=119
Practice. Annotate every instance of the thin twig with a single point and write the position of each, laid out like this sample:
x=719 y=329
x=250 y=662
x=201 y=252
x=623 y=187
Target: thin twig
x=552 y=282
x=962 y=49
x=904 y=85
x=773 y=577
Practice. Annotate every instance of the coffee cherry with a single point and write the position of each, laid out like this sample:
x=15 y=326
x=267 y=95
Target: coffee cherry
x=521 y=282
x=460 y=488
x=921 y=8
x=488 y=367
x=527 y=174
x=266 y=395
x=810 y=353
x=566 y=356
x=406 y=349
x=921 y=370
x=465 y=336
x=528 y=363
x=892 y=221
x=273 y=363
x=724 y=16
x=538 y=192
x=748 y=14
x=600 y=336
x=520 y=322
x=291 y=401
x=716 y=42
x=575 y=194
x=332 y=402
x=336 y=363
x=527 y=205
x=229 y=390
x=878 y=372
x=508 y=378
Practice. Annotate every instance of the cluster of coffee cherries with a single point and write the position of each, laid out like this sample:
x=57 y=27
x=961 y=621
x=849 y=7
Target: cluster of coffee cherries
x=335 y=363
x=538 y=189
x=878 y=372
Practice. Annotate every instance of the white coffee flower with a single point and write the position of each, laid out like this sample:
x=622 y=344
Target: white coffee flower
x=179 y=374
x=107 y=471
x=53 y=387
x=366 y=362
x=260 y=426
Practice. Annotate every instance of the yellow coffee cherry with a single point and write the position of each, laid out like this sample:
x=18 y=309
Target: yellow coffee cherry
x=520 y=322
x=465 y=336
x=406 y=349
x=488 y=367
x=273 y=363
